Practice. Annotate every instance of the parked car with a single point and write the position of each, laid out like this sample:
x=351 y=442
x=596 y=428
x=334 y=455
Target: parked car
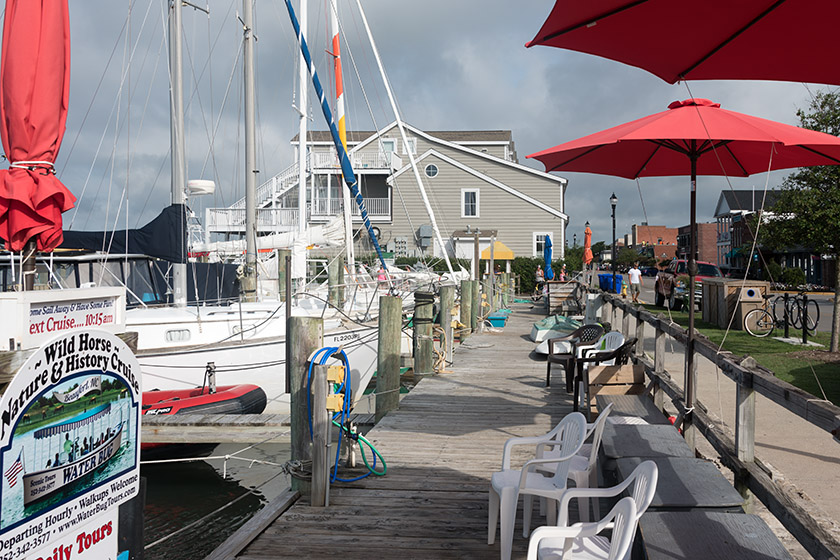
x=649 y=271
x=668 y=288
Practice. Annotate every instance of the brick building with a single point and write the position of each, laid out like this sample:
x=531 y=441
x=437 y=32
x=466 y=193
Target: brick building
x=707 y=242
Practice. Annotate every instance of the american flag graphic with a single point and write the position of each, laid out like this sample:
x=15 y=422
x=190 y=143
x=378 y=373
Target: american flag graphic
x=12 y=472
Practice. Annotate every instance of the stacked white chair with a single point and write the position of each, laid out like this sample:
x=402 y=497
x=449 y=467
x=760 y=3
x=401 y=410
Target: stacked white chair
x=507 y=484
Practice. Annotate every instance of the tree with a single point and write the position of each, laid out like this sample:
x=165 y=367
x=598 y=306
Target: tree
x=806 y=211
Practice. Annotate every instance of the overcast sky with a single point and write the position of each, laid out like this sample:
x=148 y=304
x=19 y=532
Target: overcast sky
x=454 y=65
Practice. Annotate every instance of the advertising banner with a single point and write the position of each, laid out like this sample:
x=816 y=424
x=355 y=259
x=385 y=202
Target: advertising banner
x=70 y=450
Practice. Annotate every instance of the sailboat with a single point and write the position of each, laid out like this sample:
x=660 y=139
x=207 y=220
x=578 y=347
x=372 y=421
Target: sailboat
x=245 y=341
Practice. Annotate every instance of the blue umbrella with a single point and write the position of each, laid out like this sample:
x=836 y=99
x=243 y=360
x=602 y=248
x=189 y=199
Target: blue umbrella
x=549 y=274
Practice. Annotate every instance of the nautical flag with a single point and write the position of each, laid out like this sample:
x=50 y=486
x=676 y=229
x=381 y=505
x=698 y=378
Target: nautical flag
x=12 y=472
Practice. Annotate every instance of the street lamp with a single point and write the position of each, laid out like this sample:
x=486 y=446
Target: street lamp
x=613 y=202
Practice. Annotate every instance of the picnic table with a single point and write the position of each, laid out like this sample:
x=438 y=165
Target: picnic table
x=647 y=440
x=686 y=483
x=688 y=535
x=639 y=406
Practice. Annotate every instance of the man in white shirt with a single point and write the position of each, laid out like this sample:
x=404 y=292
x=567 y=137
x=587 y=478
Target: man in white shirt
x=635 y=281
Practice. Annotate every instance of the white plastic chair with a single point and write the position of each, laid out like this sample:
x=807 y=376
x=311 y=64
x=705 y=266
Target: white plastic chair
x=582 y=541
x=643 y=480
x=507 y=484
x=582 y=468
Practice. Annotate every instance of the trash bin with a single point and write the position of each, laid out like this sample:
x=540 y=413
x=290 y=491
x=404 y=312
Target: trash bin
x=605 y=282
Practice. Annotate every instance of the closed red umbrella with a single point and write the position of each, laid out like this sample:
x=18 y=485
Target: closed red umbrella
x=789 y=40
x=34 y=93
x=587 y=245
x=693 y=137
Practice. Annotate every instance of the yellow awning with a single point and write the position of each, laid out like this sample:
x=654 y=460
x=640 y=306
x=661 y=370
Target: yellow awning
x=501 y=252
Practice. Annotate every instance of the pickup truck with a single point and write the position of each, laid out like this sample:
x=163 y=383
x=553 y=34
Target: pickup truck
x=668 y=288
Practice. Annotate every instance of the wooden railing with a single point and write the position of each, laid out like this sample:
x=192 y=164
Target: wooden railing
x=737 y=451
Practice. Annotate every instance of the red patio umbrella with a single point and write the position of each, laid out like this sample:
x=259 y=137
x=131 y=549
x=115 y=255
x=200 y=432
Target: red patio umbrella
x=693 y=137
x=34 y=93
x=789 y=40
x=587 y=245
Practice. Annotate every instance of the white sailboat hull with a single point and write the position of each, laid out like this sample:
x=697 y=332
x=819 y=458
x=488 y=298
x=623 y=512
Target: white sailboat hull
x=257 y=356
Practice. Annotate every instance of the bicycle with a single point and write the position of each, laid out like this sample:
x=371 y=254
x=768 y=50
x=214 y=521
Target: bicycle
x=761 y=322
x=801 y=307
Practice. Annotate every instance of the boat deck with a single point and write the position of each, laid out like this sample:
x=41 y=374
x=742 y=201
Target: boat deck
x=441 y=448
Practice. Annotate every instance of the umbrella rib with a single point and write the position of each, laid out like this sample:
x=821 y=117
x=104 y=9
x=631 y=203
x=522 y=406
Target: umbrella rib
x=650 y=157
x=586 y=23
x=683 y=75
x=586 y=153
x=819 y=153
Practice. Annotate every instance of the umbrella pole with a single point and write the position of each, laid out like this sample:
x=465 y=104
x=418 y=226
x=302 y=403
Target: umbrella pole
x=689 y=431
x=27 y=267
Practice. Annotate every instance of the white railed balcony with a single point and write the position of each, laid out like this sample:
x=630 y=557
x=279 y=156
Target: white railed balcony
x=220 y=220
x=323 y=160
x=378 y=208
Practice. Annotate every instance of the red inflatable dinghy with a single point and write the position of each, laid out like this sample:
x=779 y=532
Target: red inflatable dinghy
x=228 y=399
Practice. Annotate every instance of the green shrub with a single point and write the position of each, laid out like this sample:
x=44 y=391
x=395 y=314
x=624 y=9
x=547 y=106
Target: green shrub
x=792 y=277
x=773 y=273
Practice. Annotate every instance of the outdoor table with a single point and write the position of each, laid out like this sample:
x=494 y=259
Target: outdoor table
x=620 y=440
x=686 y=483
x=688 y=535
x=640 y=406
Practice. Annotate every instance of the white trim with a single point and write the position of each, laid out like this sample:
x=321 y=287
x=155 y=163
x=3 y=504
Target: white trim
x=460 y=147
x=477 y=203
x=483 y=177
x=534 y=235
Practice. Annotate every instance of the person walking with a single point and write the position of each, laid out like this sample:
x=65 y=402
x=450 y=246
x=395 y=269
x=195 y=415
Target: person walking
x=635 y=282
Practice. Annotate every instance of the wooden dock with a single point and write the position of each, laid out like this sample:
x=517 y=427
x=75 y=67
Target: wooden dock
x=441 y=448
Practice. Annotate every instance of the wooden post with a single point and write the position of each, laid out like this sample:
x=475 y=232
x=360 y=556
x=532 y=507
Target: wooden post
x=282 y=270
x=478 y=309
x=492 y=288
x=306 y=334
x=466 y=309
x=447 y=302
x=625 y=323
x=423 y=341
x=506 y=289
x=335 y=273
x=659 y=364
x=640 y=336
x=388 y=358
x=745 y=432
x=320 y=438
x=27 y=265
x=605 y=314
x=688 y=427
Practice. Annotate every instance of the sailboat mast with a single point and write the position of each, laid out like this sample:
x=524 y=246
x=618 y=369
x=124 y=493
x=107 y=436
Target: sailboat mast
x=303 y=103
x=342 y=131
x=401 y=126
x=249 y=282
x=176 y=127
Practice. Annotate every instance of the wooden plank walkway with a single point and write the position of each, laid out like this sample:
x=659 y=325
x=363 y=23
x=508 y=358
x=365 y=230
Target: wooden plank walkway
x=441 y=448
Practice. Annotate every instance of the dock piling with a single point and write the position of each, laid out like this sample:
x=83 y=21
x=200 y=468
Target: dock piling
x=466 y=309
x=423 y=341
x=447 y=302
x=388 y=359
x=320 y=438
x=306 y=335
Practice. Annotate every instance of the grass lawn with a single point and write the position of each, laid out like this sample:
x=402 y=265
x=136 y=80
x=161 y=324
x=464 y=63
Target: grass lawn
x=810 y=370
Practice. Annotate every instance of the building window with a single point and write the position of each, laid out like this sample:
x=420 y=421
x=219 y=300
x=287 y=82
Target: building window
x=539 y=241
x=431 y=170
x=469 y=203
x=410 y=146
